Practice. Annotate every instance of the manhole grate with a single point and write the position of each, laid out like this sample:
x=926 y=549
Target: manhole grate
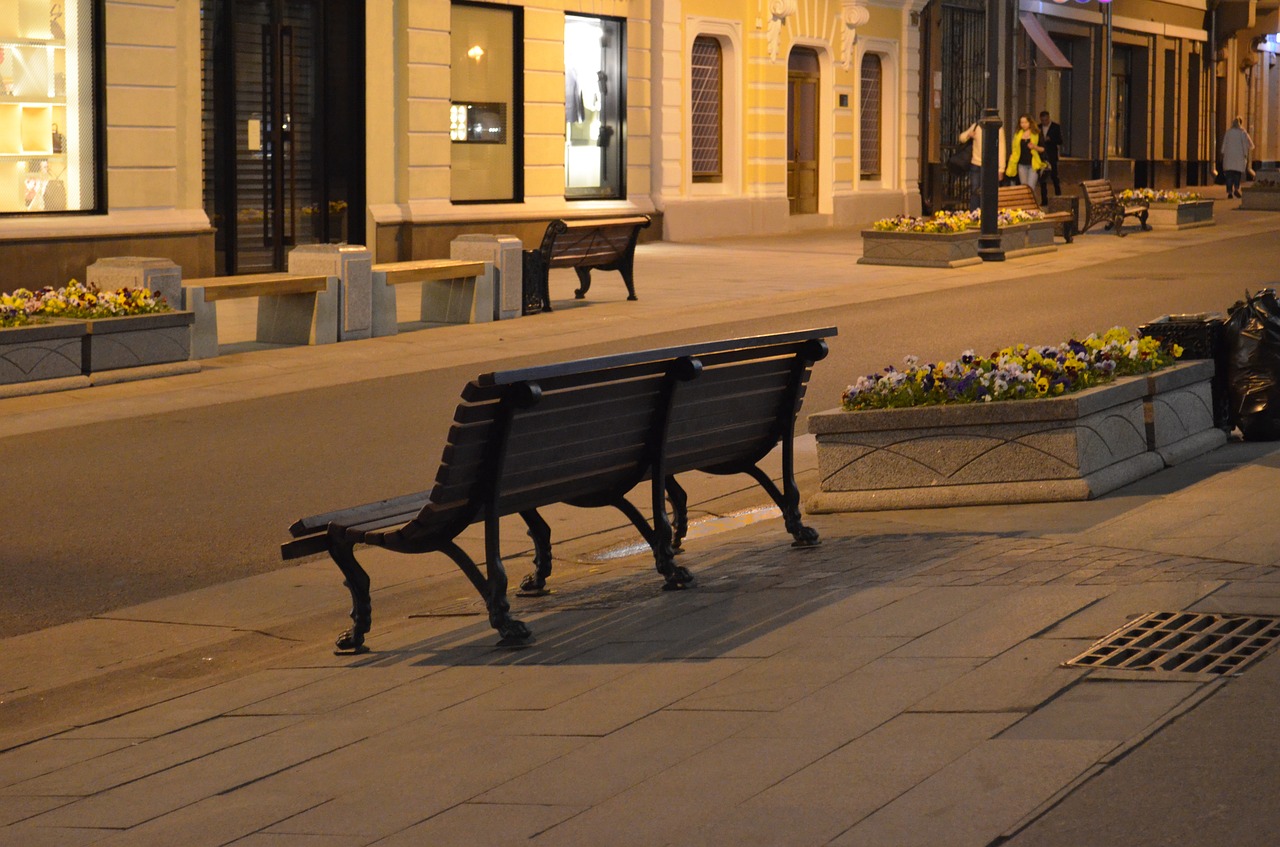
x=1184 y=642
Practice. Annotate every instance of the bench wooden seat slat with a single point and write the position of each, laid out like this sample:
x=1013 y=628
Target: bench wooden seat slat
x=256 y=285
x=1023 y=198
x=585 y=433
x=428 y=270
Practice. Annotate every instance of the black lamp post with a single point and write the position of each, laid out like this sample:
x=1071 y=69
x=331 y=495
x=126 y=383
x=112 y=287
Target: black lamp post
x=989 y=234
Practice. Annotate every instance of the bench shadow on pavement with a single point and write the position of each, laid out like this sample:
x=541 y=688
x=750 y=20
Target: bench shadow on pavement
x=744 y=593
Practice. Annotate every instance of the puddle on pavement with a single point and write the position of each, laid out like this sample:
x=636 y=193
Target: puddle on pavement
x=699 y=528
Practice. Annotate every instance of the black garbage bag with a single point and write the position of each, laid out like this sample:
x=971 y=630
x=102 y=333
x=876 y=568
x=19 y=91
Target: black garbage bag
x=1252 y=337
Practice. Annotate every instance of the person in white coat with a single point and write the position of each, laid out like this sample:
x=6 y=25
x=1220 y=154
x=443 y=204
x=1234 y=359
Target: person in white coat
x=1236 y=147
x=974 y=134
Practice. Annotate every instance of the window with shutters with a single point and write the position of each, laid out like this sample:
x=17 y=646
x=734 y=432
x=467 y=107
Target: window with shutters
x=872 y=100
x=706 y=75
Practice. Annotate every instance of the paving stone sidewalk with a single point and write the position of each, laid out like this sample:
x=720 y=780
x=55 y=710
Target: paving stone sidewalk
x=902 y=684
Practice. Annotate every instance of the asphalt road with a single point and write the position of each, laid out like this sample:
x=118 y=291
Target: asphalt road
x=117 y=513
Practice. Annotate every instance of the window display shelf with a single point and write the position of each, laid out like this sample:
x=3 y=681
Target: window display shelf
x=25 y=100
x=56 y=43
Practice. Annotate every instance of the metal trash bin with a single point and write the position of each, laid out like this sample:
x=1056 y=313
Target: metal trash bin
x=1200 y=337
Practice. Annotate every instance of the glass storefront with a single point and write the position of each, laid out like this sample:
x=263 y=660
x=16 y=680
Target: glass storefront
x=48 y=119
x=484 y=114
x=594 y=107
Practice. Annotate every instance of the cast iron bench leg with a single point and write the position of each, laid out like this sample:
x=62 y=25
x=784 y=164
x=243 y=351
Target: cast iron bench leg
x=679 y=513
x=584 y=282
x=511 y=631
x=790 y=505
x=535 y=584
x=357 y=582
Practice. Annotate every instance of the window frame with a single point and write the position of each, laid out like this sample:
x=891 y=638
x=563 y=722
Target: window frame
x=717 y=175
x=96 y=136
x=515 y=120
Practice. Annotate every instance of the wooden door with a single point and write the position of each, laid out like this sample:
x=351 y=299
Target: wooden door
x=803 y=79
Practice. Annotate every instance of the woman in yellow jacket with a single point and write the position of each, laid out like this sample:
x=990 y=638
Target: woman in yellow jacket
x=1024 y=156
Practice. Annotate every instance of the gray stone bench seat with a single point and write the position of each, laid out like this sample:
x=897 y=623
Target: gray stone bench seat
x=448 y=291
x=292 y=308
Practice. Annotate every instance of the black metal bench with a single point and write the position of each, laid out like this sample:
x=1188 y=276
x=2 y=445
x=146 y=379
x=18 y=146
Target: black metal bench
x=1102 y=205
x=584 y=433
x=608 y=244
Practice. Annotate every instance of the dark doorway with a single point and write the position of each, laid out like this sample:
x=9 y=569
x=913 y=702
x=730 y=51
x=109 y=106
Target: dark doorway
x=283 y=127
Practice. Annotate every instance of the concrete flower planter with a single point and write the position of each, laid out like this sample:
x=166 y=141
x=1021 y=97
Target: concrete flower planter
x=1260 y=199
x=1075 y=447
x=1180 y=423
x=1187 y=214
x=1027 y=239
x=920 y=249
x=137 y=341
x=41 y=351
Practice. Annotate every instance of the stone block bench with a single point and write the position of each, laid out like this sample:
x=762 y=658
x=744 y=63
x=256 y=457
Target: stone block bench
x=454 y=291
x=292 y=309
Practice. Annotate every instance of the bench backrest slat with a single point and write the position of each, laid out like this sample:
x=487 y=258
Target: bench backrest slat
x=1018 y=197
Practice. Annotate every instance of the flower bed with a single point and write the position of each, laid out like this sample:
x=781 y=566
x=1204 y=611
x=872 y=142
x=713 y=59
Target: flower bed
x=1263 y=195
x=950 y=239
x=1025 y=424
x=108 y=330
x=1173 y=209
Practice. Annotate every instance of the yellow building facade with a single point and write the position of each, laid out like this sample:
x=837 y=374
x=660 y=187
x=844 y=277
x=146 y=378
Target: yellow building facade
x=230 y=131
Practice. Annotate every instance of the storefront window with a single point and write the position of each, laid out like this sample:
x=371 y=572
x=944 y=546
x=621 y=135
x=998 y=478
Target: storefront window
x=594 y=107
x=484 y=115
x=48 y=119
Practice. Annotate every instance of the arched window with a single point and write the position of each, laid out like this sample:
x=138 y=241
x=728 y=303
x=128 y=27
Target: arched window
x=706 y=142
x=872 y=100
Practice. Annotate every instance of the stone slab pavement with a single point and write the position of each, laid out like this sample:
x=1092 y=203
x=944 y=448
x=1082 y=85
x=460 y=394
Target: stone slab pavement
x=902 y=684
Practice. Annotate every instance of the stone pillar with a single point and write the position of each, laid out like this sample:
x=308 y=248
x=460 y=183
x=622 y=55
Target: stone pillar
x=158 y=275
x=498 y=294
x=352 y=264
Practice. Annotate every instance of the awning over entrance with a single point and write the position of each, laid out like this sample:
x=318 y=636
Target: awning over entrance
x=1043 y=42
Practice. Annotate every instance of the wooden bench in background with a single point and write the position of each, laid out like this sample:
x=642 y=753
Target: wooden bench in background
x=1021 y=197
x=292 y=308
x=584 y=433
x=607 y=244
x=1101 y=205
x=453 y=291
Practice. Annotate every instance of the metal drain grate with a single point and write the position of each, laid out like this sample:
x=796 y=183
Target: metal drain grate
x=1184 y=642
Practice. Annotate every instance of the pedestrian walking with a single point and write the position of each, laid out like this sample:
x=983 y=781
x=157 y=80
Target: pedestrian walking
x=1236 y=146
x=974 y=134
x=1051 y=141
x=1024 y=155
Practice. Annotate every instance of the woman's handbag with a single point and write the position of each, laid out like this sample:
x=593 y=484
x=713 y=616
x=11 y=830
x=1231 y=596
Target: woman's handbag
x=959 y=161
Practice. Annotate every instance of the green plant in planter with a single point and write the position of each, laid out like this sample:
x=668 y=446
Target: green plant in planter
x=1014 y=373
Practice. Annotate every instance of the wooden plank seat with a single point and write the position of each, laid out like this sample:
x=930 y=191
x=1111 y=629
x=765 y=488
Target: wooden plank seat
x=583 y=433
x=1021 y=197
x=1102 y=205
x=453 y=291
x=292 y=308
x=607 y=244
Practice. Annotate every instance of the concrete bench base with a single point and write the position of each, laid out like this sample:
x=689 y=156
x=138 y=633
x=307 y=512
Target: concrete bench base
x=308 y=318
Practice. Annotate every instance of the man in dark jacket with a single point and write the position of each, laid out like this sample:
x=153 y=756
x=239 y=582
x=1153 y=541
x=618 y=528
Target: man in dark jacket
x=1051 y=140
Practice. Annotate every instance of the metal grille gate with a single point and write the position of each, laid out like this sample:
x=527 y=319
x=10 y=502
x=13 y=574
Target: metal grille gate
x=954 y=52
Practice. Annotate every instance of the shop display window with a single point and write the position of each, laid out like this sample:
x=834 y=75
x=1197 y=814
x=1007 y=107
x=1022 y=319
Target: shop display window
x=486 y=157
x=48 y=120
x=594 y=107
